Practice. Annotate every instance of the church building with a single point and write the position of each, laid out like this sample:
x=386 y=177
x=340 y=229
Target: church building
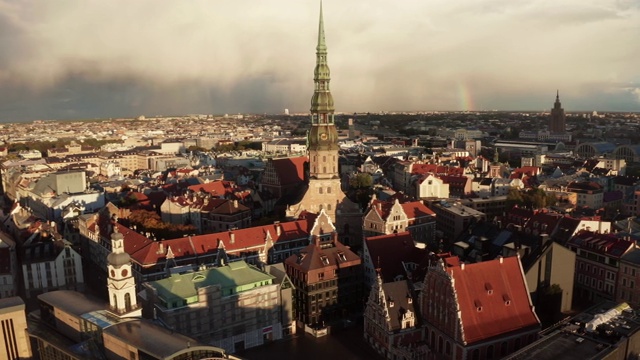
x=324 y=189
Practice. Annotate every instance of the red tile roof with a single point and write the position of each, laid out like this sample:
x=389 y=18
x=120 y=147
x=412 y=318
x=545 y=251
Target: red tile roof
x=493 y=298
x=607 y=244
x=382 y=207
x=249 y=239
x=316 y=257
x=418 y=168
x=290 y=170
x=539 y=219
x=388 y=252
x=133 y=241
x=416 y=209
x=527 y=170
x=215 y=188
x=458 y=181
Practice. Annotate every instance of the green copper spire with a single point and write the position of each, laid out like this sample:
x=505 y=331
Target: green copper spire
x=323 y=134
x=322 y=46
x=322 y=101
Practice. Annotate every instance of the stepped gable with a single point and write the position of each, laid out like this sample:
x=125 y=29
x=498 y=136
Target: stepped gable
x=314 y=257
x=492 y=297
x=391 y=252
x=382 y=208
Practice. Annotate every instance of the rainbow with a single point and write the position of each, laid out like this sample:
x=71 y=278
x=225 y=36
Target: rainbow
x=465 y=99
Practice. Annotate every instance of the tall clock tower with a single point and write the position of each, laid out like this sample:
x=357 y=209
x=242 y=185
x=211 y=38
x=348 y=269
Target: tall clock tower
x=323 y=136
x=324 y=192
x=121 y=284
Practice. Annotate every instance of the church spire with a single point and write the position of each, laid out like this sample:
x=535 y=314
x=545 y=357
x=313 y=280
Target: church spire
x=322 y=101
x=322 y=46
x=557 y=95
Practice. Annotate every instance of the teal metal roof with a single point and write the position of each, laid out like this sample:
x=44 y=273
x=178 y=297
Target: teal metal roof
x=236 y=277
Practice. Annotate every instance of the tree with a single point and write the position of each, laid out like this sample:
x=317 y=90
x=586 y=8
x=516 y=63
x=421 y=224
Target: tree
x=361 y=180
x=360 y=188
x=514 y=197
x=534 y=198
x=150 y=221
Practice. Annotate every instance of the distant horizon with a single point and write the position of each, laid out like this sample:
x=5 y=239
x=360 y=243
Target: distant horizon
x=305 y=114
x=64 y=61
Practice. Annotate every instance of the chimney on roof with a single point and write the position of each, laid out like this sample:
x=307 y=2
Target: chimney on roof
x=462 y=266
x=232 y=237
x=235 y=204
x=160 y=247
x=501 y=259
x=278 y=229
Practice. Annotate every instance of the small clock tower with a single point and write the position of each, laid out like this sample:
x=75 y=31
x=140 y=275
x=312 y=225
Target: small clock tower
x=121 y=284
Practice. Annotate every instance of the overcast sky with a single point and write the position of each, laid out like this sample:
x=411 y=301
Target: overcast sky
x=85 y=58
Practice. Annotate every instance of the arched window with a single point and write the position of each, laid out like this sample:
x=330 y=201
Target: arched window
x=433 y=339
x=490 y=352
x=329 y=190
x=503 y=348
x=475 y=355
x=448 y=348
x=320 y=190
x=324 y=158
x=440 y=342
x=127 y=301
x=115 y=301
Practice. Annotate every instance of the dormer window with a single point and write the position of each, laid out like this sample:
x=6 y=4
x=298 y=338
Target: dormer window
x=507 y=299
x=342 y=256
x=324 y=260
x=390 y=302
x=488 y=288
x=478 y=305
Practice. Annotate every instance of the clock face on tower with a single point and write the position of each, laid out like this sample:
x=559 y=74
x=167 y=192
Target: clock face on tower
x=323 y=136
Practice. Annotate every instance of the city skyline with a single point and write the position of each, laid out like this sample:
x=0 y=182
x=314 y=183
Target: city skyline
x=64 y=61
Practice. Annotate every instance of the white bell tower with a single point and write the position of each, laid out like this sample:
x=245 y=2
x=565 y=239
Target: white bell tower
x=121 y=284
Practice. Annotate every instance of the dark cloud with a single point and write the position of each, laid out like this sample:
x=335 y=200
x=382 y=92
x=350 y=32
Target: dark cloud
x=72 y=59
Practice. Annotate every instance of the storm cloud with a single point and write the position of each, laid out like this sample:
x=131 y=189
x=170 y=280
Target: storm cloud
x=85 y=59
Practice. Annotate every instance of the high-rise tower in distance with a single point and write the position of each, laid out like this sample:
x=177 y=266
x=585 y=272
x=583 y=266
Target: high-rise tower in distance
x=557 y=120
x=324 y=191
